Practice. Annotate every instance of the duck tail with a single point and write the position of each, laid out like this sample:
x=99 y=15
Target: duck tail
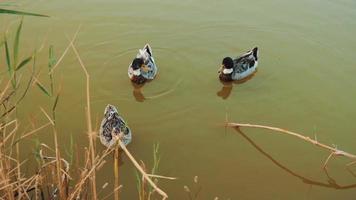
x=148 y=49
x=255 y=53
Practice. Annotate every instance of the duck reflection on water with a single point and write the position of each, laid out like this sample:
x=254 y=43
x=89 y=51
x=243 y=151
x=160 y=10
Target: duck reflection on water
x=226 y=89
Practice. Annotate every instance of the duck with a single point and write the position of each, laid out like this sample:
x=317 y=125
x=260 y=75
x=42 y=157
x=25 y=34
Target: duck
x=240 y=67
x=113 y=125
x=143 y=66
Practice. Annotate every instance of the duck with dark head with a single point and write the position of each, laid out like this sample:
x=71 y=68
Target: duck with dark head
x=137 y=66
x=240 y=67
x=143 y=67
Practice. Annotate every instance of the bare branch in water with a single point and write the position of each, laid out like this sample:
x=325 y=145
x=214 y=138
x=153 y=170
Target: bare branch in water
x=331 y=183
x=333 y=150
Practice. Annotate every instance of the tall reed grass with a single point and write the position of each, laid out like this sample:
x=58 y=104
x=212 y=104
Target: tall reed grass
x=52 y=179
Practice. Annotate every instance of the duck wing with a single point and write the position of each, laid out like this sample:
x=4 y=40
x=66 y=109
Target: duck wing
x=146 y=53
x=246 y=61
x=113 y=126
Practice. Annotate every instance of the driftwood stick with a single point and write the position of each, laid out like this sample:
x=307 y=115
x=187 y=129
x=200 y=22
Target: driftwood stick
x=139 y=168
x=333 y=150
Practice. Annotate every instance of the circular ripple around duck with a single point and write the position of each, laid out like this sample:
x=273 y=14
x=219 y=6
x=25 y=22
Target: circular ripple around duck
x=117 y=86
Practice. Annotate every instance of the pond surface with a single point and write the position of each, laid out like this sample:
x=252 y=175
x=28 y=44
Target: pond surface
x=305 y=83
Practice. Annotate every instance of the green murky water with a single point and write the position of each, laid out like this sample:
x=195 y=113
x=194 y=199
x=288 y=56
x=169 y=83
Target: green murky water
x=305 y=83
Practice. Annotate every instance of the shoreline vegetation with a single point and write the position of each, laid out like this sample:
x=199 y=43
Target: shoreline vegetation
x=52 y=179
x=20 y=187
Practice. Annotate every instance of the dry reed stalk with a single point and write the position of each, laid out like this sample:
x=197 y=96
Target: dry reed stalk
x=65 y=51
x=18 y=168
x=58 y=166
x=91 y=133
x=333 y=150
x=33 y=131
x=87 y=173
x=115 y=190
x=58 y=159
x=161 y=177
x=4 y=90
x=143 y=183
x=116 y=172
x=10 y=134
x=139 y=168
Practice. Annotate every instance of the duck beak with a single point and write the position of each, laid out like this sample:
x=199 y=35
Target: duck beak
x=221 y=68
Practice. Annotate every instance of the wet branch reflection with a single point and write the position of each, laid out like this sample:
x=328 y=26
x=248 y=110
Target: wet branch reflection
x=331 y=182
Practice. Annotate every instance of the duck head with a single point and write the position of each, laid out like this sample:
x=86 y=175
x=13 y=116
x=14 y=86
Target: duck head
x=228 y=65
x=136 y=65
x=110 y=112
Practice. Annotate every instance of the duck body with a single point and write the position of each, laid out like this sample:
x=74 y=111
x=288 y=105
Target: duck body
x=143 y=67
x=113 y=125
x=240 y=67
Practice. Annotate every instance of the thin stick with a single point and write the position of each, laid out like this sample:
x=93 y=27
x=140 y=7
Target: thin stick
x=139 y=168
x=333 y=150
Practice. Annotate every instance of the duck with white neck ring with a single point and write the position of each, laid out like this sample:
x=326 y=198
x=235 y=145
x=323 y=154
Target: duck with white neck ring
x=240 y=67
x=143 y=67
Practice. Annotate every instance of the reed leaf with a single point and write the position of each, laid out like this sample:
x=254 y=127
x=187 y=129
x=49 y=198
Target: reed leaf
x=55 y=102
x=51 y=63
x=42 y=88
x=54 y=107
x=36 y=151
x=17 y=42
x=70 y=150
x=156 y=158
x=23 y=63
x=138 y=184
x=51 y=57
x=7 y=56
x=31 y=78
x=15 y=12
x=8 y=62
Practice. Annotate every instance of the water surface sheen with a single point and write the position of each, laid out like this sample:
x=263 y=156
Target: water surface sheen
x=305 y=83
